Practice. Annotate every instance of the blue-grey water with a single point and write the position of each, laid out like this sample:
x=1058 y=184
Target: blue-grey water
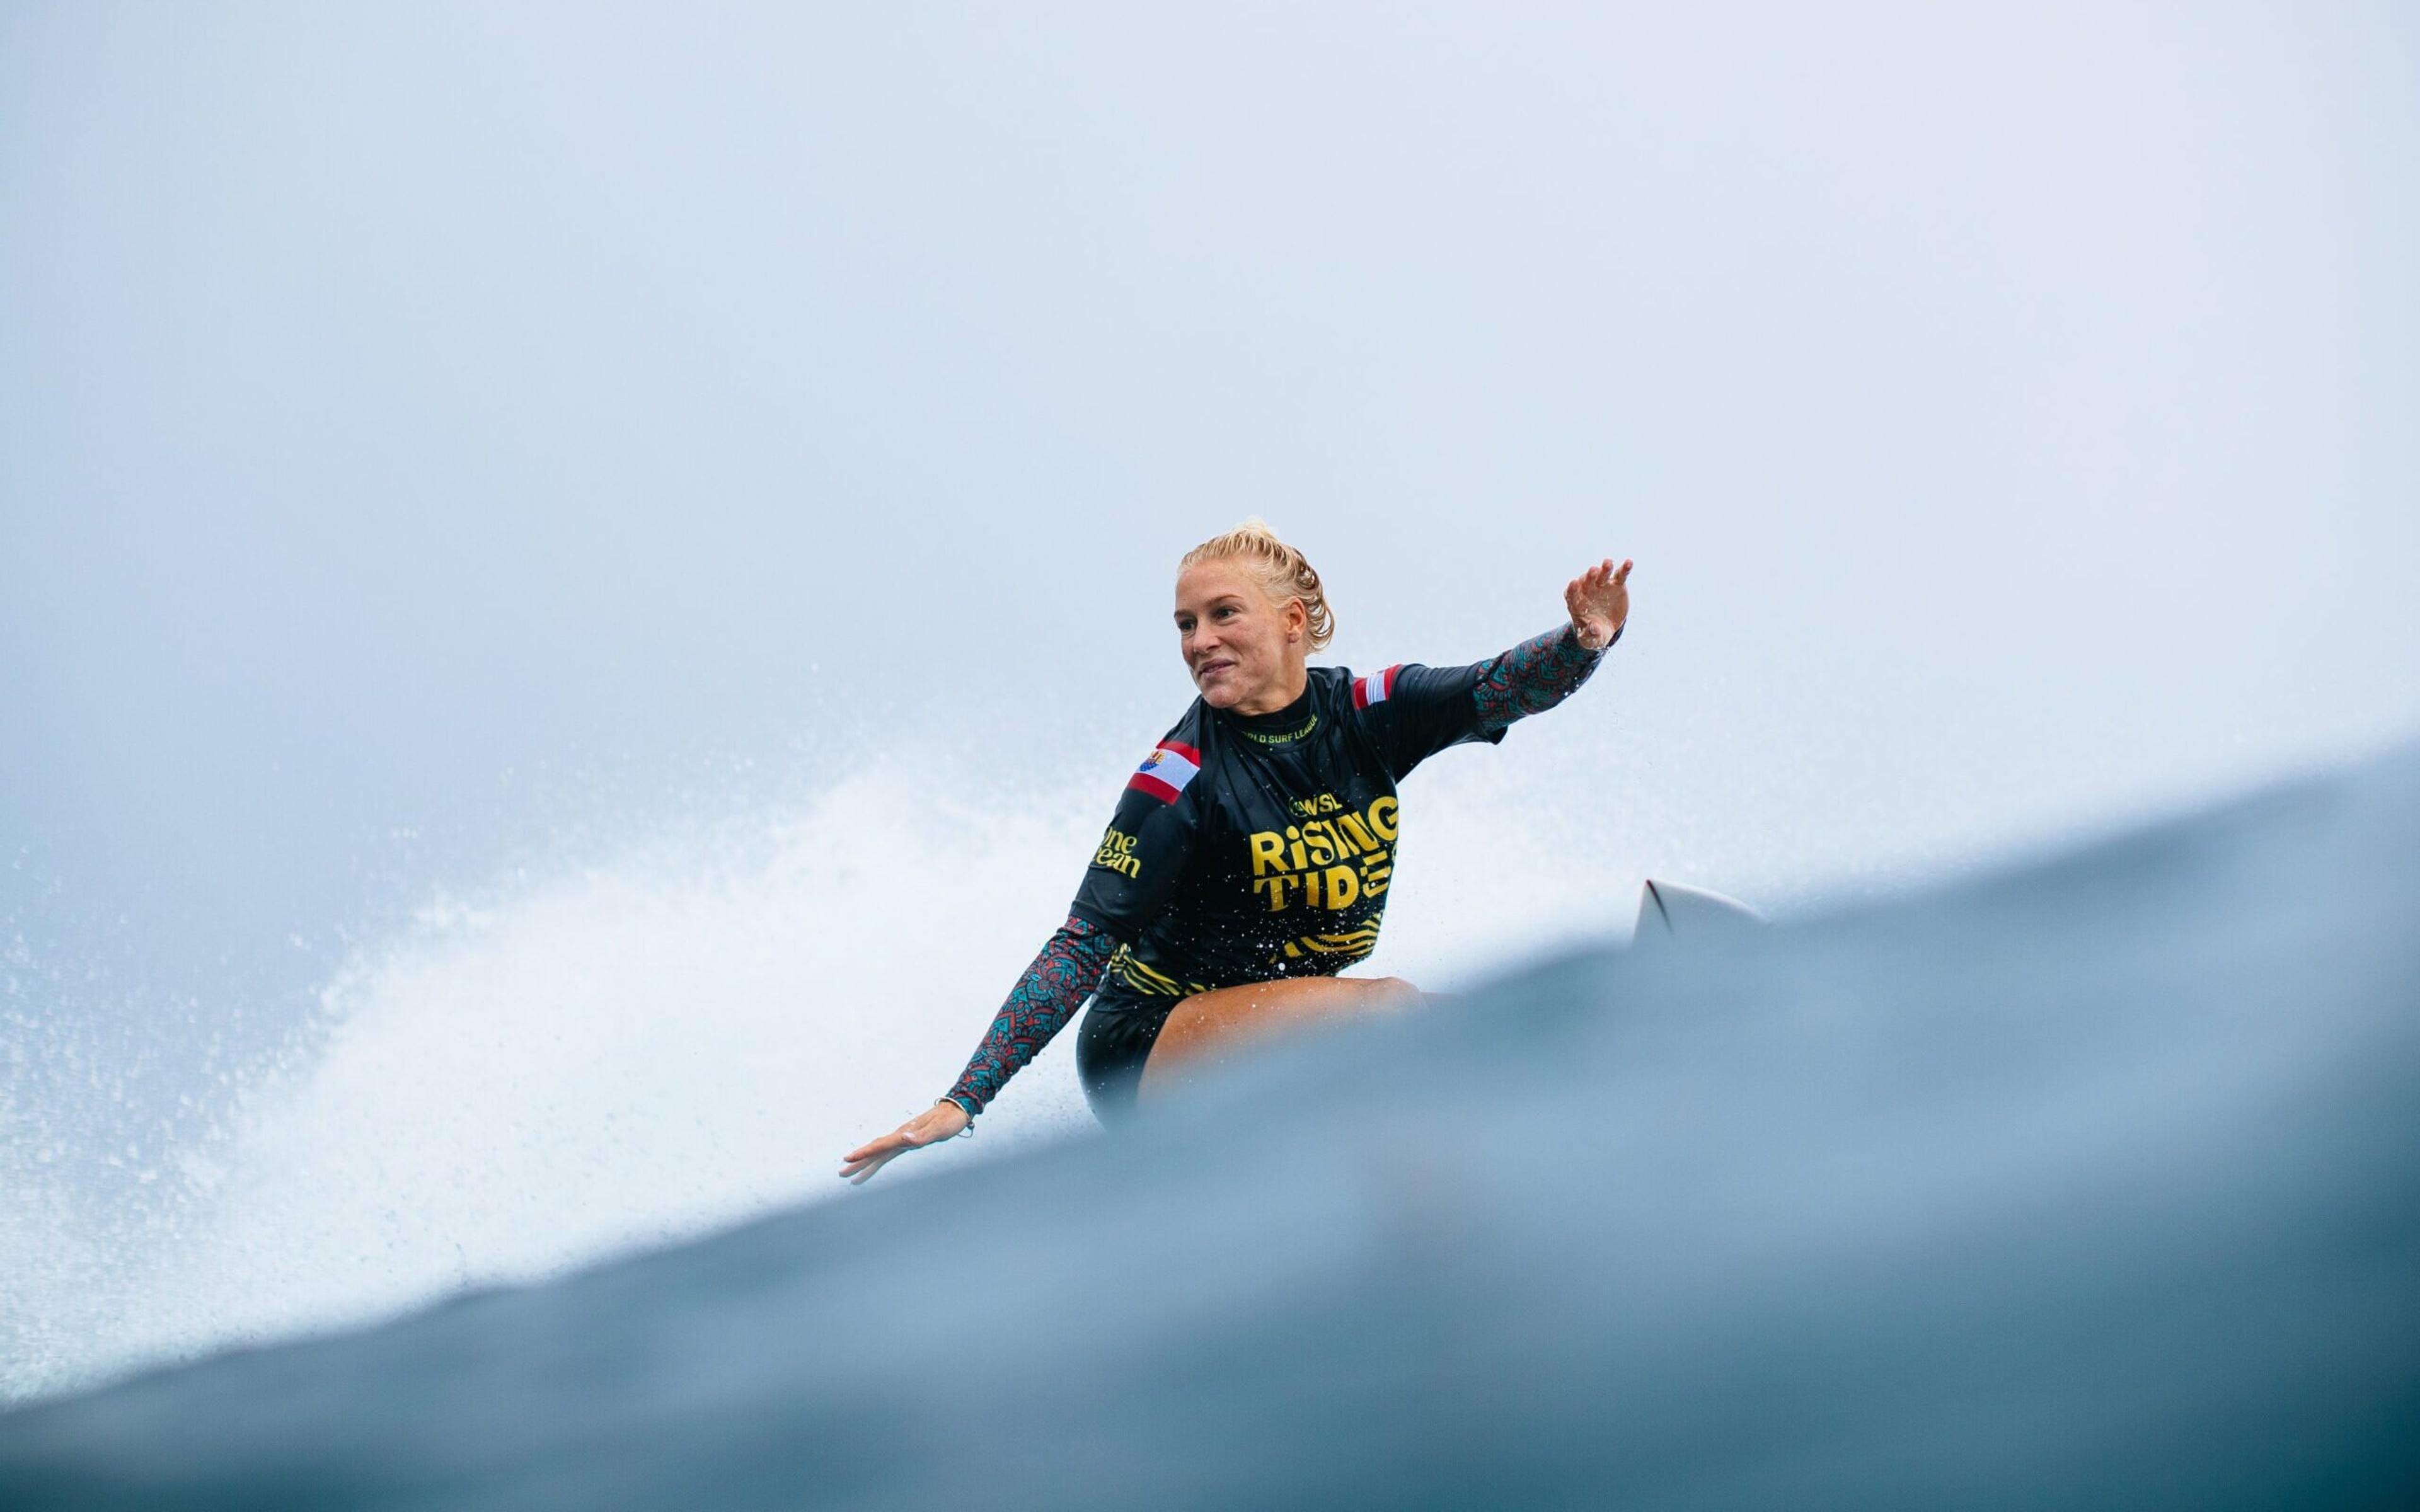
x=2093 y=1182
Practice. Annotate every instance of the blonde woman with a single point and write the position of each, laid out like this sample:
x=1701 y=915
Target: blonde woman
x=1250 y=855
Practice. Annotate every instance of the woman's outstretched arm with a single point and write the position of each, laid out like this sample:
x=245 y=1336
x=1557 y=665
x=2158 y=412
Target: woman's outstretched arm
x=1415 y=711
x=1541 y=672
x=1038 y=1006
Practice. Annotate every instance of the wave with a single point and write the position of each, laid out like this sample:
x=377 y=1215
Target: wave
x=566 y=1065
x=2094 y=1182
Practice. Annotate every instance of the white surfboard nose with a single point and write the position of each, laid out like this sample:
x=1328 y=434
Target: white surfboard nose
x=1669 y=910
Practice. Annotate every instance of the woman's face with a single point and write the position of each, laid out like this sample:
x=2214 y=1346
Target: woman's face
x=1245 y=653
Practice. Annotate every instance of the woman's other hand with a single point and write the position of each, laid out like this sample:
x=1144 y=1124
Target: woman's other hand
x=941 y=1121
x=1599 y=600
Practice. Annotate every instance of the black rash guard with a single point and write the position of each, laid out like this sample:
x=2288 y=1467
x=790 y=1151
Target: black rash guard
x=1251 y=847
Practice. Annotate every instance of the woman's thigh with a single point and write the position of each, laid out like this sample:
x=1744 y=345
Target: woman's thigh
x=1209 y=1027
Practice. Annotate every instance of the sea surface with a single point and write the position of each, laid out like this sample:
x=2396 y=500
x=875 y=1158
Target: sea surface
x=2093 y=1182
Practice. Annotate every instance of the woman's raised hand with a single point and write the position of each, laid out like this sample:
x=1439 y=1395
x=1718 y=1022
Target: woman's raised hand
x=1599 y=600
x=941 y=1121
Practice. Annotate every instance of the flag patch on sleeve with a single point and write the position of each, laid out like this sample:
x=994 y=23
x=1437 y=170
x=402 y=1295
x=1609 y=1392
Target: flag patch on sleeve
x=1369 y=690
x=1164 y=773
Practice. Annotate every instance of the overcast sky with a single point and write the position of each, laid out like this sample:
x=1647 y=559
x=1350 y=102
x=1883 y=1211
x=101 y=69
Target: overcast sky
x=416 y=420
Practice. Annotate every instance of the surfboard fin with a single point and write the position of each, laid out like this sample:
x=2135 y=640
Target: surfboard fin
x=1670 y=910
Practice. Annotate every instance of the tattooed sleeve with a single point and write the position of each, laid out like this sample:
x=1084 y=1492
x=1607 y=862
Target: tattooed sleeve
x=1038 y=1006
x=1533 y=677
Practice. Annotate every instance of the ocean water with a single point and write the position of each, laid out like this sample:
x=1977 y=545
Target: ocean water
x=2091 y=1181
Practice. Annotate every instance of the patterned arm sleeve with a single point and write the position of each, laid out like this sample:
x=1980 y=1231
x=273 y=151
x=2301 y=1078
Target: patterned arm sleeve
x=1038 y=1006
x=1533 y=677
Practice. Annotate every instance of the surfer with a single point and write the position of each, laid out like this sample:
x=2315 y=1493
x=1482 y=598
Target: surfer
x=1250 y=855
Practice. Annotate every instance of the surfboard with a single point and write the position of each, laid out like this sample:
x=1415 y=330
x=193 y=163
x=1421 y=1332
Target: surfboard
x=1670 y=911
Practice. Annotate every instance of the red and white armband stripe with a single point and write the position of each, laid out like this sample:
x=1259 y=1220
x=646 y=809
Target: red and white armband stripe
x=1374 y=689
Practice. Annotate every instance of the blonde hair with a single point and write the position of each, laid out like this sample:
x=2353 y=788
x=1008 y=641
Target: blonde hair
x=1283 y=570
